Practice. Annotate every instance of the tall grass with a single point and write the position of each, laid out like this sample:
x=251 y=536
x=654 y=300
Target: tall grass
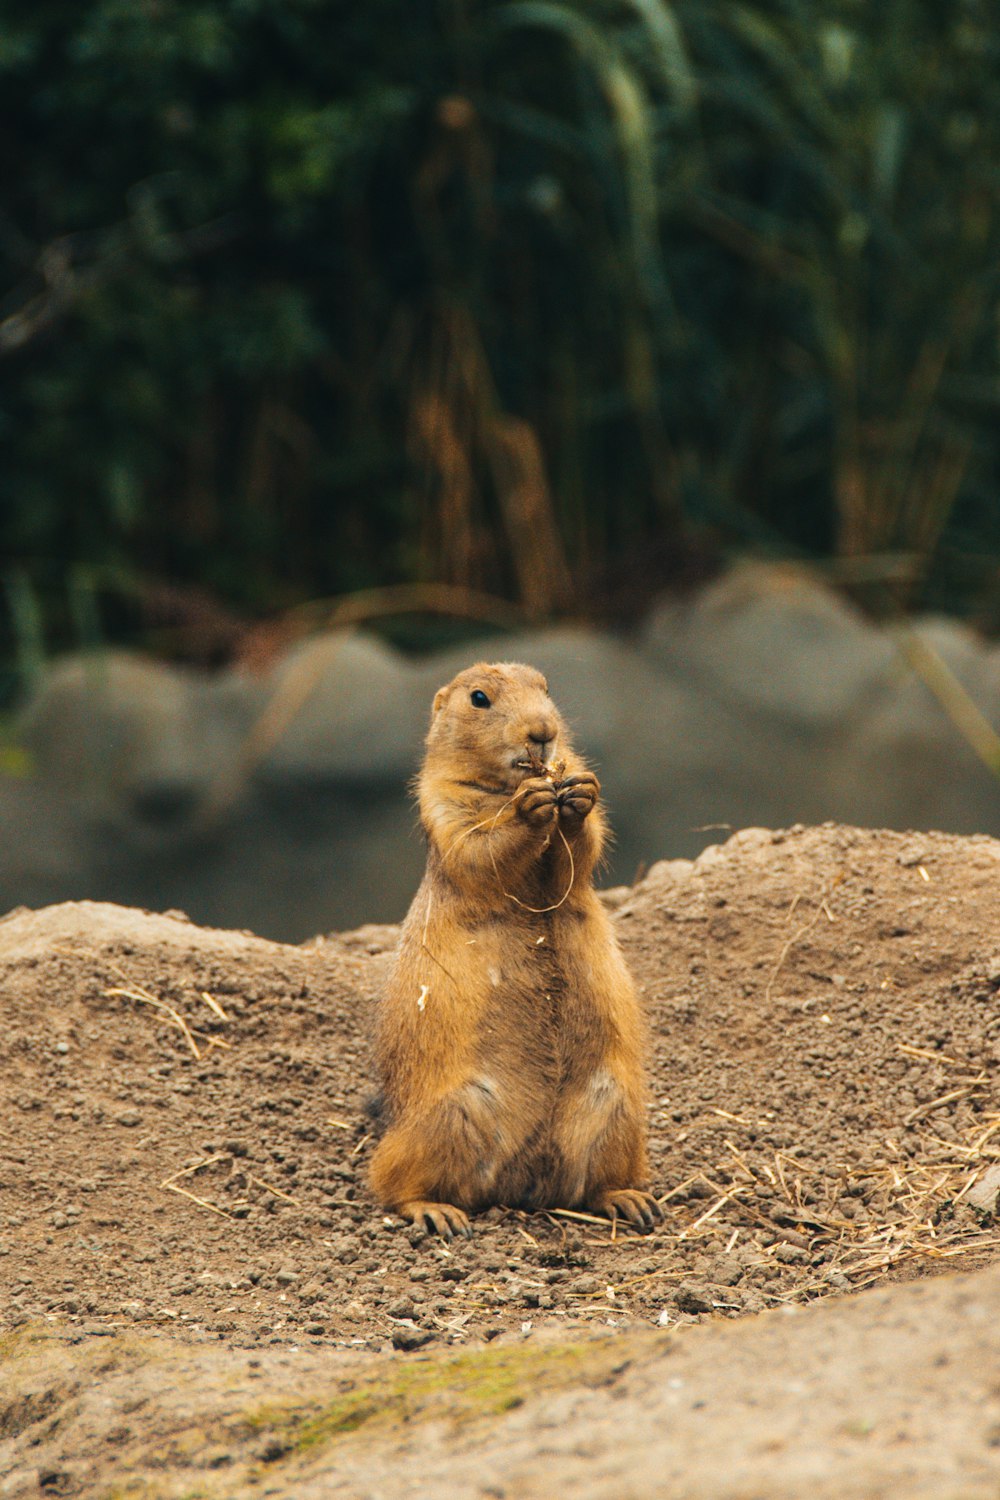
x=524 y=296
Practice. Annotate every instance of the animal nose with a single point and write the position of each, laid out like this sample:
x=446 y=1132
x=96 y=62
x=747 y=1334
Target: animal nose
x=541 y=733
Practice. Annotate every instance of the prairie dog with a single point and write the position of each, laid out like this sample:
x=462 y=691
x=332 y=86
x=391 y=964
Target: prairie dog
x=509 y=1042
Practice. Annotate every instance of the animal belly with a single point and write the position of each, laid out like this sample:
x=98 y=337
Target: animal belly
x=553 y=1167
x=476 y=1137
x=585 y=1120
x=479 y=1134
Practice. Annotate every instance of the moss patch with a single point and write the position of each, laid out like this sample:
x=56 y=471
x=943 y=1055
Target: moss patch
x=459 y=1388
x=11 y=1345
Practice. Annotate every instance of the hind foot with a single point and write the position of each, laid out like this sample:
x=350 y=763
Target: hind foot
x=438 y=1218
x=640 y=1209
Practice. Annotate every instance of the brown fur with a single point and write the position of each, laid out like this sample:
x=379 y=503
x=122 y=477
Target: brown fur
x=509 y=1040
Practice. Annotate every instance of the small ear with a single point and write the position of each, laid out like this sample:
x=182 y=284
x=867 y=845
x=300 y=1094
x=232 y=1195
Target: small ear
x=439 y=697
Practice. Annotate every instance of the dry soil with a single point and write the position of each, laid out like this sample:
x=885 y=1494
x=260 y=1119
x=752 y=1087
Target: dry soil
x=200 y=1298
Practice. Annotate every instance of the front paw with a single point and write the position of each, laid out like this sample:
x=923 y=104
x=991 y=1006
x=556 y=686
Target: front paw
x=536 y=801
x=437 y=1218
x=577 y=796
x=639 y=1208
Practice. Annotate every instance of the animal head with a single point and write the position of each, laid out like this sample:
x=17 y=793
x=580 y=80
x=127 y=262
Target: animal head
x=498 y=719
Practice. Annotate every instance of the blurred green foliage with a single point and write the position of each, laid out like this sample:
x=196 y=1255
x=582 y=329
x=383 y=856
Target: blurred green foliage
x=299 y=297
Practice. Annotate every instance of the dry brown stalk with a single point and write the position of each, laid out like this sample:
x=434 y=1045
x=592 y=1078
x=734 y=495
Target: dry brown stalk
x=741 y=1161
x=202 y=1202
x=145 y=998
x=538 y=767
x=171 y=1183
x=949 y=1098
x=541 y=910
x=268 y=1187
x=682 y=1187
x=211 y=1040
x=213 y=1004
x=571 y=1213
x=980 y=1140
x=781 y=1176
x=926 y=1053
x=710 y=1212
x=822 y=909
x=951 y=694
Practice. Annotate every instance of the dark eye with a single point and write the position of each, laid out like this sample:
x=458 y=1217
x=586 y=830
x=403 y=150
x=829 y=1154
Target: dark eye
x=479 y=699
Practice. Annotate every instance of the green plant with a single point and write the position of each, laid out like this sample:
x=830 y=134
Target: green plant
x=515 y=295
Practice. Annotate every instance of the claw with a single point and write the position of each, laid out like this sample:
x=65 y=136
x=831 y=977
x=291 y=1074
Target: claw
x=577 y=794
x=638 y=1208
x=537 y=801
x=437 y=1218
x=437 y=1224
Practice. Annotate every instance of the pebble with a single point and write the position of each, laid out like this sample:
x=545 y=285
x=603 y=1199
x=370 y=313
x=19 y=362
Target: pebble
x=587 y=1286
x=690 y=1297
x=410 y=1338
x=724 y=1270
x=984 y=1194
x=751 y=1300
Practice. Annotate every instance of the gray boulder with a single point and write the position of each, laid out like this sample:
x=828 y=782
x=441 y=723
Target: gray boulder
x=774 y=641
x=281 y=803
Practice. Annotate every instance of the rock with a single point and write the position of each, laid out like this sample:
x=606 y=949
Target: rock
x=724 y=1270
x=407 y=1337
x=692 y=1297
x=346 y=710
x=134 y=740
x=587 y=1286
x=666 y=873
x=280 y=803
x=751 y=1300
x=985 y=1191
x=776 y=640
x=945 y=785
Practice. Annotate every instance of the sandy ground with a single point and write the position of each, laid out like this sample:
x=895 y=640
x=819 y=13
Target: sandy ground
x=199 y=1298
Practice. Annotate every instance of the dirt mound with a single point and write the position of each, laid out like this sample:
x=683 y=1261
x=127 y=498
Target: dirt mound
x=186 y=1142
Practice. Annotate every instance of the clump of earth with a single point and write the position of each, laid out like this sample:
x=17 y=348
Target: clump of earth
x=186 y=1139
